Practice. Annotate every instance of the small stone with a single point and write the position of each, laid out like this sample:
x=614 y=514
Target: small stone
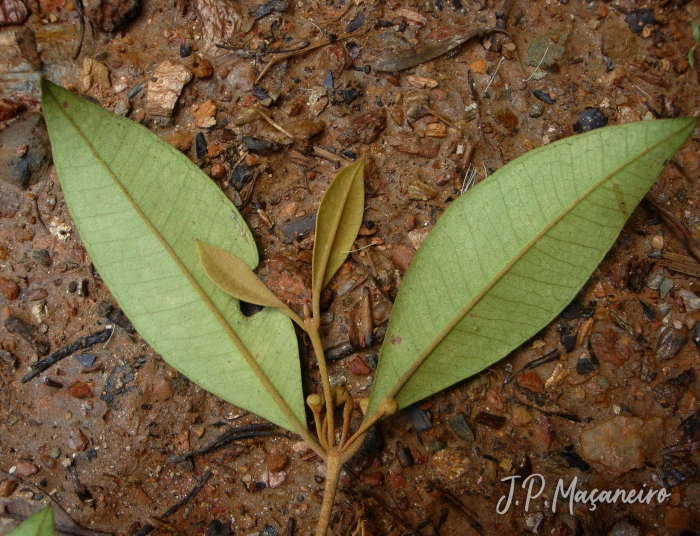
x=655 y=279
x=77 y=440
x=180 y=140
x=460 y=427
x=112 y=15
x=86 y=360
x=358 y=367
x=669 y=343
x=657 y=242
x=590 y=119
x=241 y=77
x=25 y=469
x=202 y=67
x=95 y=73
x=22 y=172
x=274 y=480
x=421 y=82
x=409 y=223
x=665 y=287
x=217 y=170
x=80 y=390
x=678 y=519
x=402 y=256
x=7 y=488
x=204 y=114
x=436 y=130
x=478 y=67
x=451 y=463
x=608 y=344
x=372 y=480
x=428 y=148
x=162 y=389
x=9 y=288
x=13 y=12
x=530 y=381
x=364 y=128
x=307 y=129
x=624 y=528
x=690 y=300
x=521 y=416
x=621 y=443
x=123 y=107
x=164 y=88
x=536 y=110
x=276 y=462
x=8 y=109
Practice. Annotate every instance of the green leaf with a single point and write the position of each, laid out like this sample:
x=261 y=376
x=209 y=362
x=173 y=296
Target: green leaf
x=40 y=524
x=235 y=278
x=691 y=58
x=139 y=205
x=337 y=224
x=510 y=254
x=696 y=31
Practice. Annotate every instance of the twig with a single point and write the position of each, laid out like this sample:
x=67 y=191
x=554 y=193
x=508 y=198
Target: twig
x=690 y=242
x=81 y=27
x=234 y=434
x=187 y=498
x=86 y=342
x=143 y=531
x=459 y=507
x=275 y=125
x=472 y=90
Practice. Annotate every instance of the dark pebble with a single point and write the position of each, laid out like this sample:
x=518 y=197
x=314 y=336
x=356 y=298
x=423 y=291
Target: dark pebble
x=259 y=93
x=356 y=23
x=434 y=444
x=353 y=49
x=419 y=418
x=91 y=454
x=438 y=5
x=217 y=528
x=42 y=256
x=586 y=365
x=638 y=19
x=86 y=360
x=269 y=530
x=268 y=7
x=72 y=287
x=200 y=144
x=669 y=344
x=404 y=455
x=260 y=146
x=695 y=336
x=675 y=471
x=185 y=50
x=574 y=460
x=372 y=361
x=590 y=119
x=240 y=176
x=259 y=486
x=118 y=317
x=346 y=96
x=544 y=97
x=651 y=315
x=104 y=308
x=374 y=442
x=492 y=421
x=569 y=342
x=29 y=333
x=460 y=427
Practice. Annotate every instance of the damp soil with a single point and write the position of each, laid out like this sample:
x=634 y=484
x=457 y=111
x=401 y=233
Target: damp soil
x=607 y=393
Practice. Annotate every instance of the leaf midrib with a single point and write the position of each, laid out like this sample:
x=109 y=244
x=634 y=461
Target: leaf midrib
x=440 y=336
x=264 y=380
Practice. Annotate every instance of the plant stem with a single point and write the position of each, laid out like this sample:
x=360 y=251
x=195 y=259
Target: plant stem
x=323 y=369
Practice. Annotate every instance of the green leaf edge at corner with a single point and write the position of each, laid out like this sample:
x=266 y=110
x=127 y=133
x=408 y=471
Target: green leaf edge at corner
x=395 y=372
x=338 y=221
x=39 y=524
x=92 y=147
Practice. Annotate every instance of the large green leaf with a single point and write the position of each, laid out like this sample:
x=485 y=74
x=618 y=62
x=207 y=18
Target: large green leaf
x=510 y=254
x=40 y=524
x=139 y=206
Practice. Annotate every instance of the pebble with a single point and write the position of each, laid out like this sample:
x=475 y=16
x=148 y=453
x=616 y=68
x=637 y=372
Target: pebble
x=25 y=469
x=276 y=462
x=13 y=12
x=274 y=480
x=530 y=381
x=9 y=288
x=690 y=300
x=521 y=416
x=544 y=97
x=451 y=463
x=180 y=140
x=204 y=114
x=95 y=73
x=665 y=287
x=202 y=67
x=624 y=528
x=164 y=88
x=608 y=344
x=162 y=389
x=306 y=129
x=620 y=443
x=590 y=119
x=669 y=343
x=372 y=480
x=80 y=390
x=536 y=110
x=219 y=22
x=112 y=16
x=123 y=106
x=616 y=43
x=655 y=279
x=8 y=109
x=364 y=128
x=7 y=488
x=478 y=67
x=460 y=427
x=678 y=519
x=358 y=367
x=657 y=242
x=77 y=440
x=402 y=256
x=25 y=153
x=86 y=360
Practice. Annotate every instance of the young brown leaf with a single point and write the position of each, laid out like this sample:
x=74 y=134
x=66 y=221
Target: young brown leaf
x=337 y=224
x=235 y=278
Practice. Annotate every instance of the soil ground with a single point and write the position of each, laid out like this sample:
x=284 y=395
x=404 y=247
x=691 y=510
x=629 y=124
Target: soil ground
x=617 y=407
